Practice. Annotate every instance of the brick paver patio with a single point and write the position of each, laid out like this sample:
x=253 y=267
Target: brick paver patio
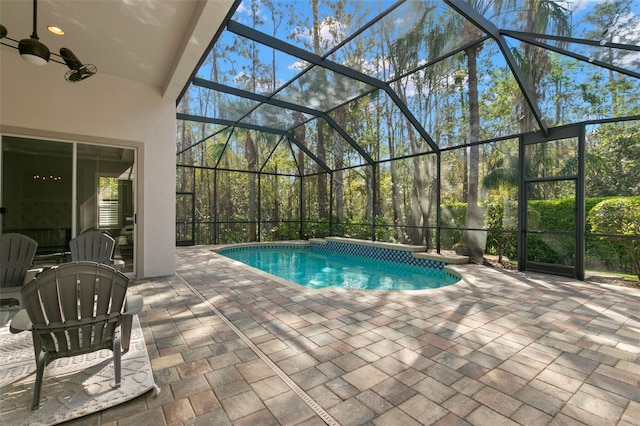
x=229 y=345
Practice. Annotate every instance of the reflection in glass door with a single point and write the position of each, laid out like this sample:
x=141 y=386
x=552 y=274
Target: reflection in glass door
x=552 y=194
x=40 y=190
x=37 y=191
x=104 y=193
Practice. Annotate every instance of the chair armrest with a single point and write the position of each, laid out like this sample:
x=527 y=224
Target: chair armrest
x=20 y=322
x=31 y=273
x=133 y=304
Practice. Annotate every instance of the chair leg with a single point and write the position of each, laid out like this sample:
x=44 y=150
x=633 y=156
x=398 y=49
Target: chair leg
x=125 y=332
x=117 y=360
x=41 y=363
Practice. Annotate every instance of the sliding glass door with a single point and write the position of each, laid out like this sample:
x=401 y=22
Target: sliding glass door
x=53 y=191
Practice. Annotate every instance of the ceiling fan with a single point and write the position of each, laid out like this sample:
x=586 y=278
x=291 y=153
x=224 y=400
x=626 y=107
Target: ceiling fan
x=35 y=52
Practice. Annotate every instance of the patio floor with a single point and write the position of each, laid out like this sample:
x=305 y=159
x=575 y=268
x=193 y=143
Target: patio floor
x=229 y=345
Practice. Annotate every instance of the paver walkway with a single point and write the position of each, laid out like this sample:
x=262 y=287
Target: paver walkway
x=229 y=345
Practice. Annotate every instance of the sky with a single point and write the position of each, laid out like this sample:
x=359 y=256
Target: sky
x=368 y=9
x=365 y=10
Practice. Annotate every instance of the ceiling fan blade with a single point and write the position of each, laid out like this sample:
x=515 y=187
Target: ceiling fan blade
x=70 y=58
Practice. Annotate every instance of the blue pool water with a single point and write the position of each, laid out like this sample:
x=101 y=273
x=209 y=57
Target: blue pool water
x=319 y=269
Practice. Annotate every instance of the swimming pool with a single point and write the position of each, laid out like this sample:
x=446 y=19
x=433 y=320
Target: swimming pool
x=320 y=268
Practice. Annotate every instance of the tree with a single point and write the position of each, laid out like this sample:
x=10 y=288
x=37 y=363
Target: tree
x=472 y=239
x=338 y=180
x=250 y=150
x=472 y=244
x=403 y=57
x=613 y=163
x=541 y=17
x=538 y=16
x=323 y=198
x=251 y=155
x=614 y=20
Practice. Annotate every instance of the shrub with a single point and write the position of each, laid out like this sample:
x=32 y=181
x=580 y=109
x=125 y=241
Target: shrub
x=620 y=216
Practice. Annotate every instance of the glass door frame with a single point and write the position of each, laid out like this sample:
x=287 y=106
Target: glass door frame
x=574 y=131
x=74 y=144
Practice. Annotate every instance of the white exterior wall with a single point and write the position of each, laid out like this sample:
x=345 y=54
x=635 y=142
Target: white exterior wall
x=37 y=102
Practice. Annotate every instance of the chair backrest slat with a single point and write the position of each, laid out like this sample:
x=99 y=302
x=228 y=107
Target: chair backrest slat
x=92 y=246
x=16 y=257
x=67 y=287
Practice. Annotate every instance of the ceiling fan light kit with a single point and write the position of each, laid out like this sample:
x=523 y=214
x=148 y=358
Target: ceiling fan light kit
x=35 y=52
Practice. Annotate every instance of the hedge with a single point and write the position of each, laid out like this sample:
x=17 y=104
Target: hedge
x=557 y=215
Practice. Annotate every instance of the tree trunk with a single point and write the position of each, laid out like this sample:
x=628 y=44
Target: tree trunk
x=300 y=135
x=323 y=211
x=395 y=184
x=415 y=233
x=419 y=200
x=338 y=179
x=251 y=156
x=227 y=186
x=370 y=176
x=321 y=152
x=276 y=207
x=472 y=240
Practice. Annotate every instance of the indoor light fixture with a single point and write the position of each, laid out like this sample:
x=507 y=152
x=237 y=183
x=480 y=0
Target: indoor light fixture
x=36 y=53
x=31 y=49
x=55 y=30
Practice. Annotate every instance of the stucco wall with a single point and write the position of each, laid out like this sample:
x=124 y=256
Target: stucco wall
x=38 y=102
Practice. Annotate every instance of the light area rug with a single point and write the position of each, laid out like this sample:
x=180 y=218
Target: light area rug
x=72 y=387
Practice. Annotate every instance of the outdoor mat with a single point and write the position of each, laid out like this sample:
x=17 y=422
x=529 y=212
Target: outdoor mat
x=72 y=387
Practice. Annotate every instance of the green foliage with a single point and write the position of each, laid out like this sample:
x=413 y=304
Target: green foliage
x=616 y=216
x=452 y=216
x=501 y=223
x=502 y=220
x=613 y=163
x=319 y=229
x=620 y=216
x=555 y=215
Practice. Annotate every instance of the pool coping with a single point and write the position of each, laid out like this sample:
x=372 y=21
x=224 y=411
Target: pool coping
x=454 y=264
x=288 y=243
